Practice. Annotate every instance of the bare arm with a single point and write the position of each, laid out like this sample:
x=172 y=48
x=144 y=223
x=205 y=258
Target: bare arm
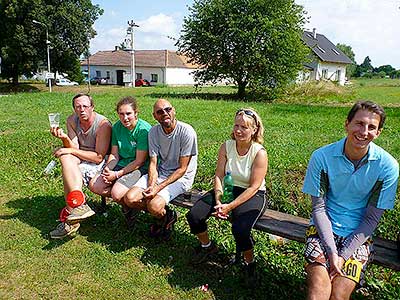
x=258 y=173
x=220 y=173
x=139 y=161
x=69 y=140
x=103 y=135
x=178 y=173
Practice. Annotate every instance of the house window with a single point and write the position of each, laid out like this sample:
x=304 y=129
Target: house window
x=154 y=77
x=325 y=73
x=338 y=73
x=98 y=74
x=108 y=74
x=320 y=49
x=335 y=51
x=139 y=75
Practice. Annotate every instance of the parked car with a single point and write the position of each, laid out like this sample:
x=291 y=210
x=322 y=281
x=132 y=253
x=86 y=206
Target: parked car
x=98 y=80
x=65 y=82
x=142 y=82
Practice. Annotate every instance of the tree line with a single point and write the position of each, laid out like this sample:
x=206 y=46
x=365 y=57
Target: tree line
x=23 y=40
x=365 y=69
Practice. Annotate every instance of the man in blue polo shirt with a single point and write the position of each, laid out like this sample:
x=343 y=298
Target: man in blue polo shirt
x=351 y=183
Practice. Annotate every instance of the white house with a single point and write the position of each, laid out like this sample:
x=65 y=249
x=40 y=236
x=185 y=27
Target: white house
x=157 y=66
x=328 y=63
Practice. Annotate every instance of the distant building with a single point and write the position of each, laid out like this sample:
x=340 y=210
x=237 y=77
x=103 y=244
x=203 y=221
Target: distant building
x=156 y=66
x=328 y=61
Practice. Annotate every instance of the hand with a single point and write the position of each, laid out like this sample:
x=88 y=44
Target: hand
x=58 y=132
x=108 y=175
x=221 y=211
x=336 y=264
x=150 y=192
x=62 y=151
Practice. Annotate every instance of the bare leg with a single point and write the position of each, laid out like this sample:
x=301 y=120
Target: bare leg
x=318 y=282
x=203 y=237
x=134 y=199
x=98 y=186
x=118 y=192
x=342 y=288
x=71 y=173
x=156 y=207
x=248 y=256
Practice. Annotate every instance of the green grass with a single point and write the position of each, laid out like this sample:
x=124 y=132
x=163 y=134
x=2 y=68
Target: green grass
x=105 y=261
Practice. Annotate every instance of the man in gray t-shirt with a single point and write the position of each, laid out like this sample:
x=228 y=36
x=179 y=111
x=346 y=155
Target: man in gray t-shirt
x=173 y=164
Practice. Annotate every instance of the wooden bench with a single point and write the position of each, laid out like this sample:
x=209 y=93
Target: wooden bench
x=294 y=228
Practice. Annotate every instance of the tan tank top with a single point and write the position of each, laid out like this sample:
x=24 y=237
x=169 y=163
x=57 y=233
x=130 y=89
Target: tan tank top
x=240 y=166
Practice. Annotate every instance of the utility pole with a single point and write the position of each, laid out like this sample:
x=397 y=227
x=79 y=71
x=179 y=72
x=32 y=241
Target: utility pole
x=131 y=25
x=48 y=49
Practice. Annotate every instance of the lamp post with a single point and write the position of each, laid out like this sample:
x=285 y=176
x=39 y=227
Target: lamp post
x=48 y=49
x=132 y=24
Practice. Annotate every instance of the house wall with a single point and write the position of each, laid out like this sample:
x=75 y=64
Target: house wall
x=329 y=71
x=179 y=76
x=103 y=70
x=171 y=76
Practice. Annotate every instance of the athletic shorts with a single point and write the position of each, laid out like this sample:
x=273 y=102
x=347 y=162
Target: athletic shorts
x=354 y=268
x=89 y=170
x=168 y=193
x=128 y=180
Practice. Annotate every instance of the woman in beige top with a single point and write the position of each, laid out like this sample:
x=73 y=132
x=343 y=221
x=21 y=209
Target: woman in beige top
x=246 y=159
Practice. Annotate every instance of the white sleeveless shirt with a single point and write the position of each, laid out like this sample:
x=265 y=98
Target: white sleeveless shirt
x=240 y=166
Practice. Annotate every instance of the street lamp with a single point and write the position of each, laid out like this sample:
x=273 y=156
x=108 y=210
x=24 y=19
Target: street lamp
x=48 y=49
x=132 y=24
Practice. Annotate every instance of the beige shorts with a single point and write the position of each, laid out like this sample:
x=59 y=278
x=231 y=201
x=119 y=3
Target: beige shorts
x=168 y=193
x=89 y=170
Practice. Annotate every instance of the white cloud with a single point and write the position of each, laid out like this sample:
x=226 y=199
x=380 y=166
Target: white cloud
x=152 y=33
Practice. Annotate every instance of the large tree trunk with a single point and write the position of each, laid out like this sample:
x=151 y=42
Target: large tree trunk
x=241 y=90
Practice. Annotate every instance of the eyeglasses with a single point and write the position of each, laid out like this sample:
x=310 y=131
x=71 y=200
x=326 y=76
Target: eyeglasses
x=161 y=111
x=249 y=113
x=85 y=107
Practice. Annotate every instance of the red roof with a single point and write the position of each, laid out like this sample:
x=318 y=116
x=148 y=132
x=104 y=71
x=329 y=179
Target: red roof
x=143 y=58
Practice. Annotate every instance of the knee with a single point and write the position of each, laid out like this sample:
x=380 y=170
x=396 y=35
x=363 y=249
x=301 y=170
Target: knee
x=156 y=209
x=131 y=197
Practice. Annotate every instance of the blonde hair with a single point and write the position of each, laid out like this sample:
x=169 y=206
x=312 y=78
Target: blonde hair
x=255 y=120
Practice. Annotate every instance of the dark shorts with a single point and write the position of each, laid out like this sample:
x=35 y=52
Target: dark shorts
x=354 y=268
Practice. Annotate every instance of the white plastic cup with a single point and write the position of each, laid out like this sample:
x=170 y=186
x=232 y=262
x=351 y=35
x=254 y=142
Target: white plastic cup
x=54 y=119
x=50 y=166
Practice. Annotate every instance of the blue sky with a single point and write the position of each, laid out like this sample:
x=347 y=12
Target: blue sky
x=370 y=27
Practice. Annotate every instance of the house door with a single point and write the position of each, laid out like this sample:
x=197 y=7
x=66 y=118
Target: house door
x=120 y=77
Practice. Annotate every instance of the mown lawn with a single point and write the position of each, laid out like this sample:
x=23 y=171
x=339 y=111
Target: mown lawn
x=105 y=261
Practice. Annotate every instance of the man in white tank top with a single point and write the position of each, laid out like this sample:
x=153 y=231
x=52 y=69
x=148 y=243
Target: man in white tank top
x=85 y=145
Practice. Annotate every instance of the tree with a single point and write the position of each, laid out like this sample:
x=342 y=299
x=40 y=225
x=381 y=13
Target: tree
x=348 y=51
x=23 y=44
x=385 y=68
x=255 y=43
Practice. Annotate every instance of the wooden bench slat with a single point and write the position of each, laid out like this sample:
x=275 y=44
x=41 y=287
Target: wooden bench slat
x=294 y=228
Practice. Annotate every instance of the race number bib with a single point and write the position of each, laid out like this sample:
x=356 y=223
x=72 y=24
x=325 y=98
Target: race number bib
x=352 y=269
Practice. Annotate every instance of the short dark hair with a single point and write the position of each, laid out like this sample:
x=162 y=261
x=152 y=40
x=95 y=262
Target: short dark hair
x=80 y=95
x=130 y=101
x=370 y=106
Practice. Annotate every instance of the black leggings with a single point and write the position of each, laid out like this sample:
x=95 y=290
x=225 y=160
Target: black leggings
x=243 y=217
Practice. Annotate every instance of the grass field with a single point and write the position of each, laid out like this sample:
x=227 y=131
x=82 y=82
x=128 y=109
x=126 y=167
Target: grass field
x=105 y=261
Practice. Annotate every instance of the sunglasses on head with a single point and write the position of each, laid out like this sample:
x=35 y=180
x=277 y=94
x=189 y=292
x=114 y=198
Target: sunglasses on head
x=249 y=113
x=162 y=110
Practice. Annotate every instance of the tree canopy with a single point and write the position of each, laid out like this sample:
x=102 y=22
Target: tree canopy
x=23 y=43
x=346 y=49
x=255 y=43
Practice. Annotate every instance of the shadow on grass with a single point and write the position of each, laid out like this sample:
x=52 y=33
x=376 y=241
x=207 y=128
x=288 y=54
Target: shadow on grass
x=173 y=256
x=196 y=95
x=8 y=88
